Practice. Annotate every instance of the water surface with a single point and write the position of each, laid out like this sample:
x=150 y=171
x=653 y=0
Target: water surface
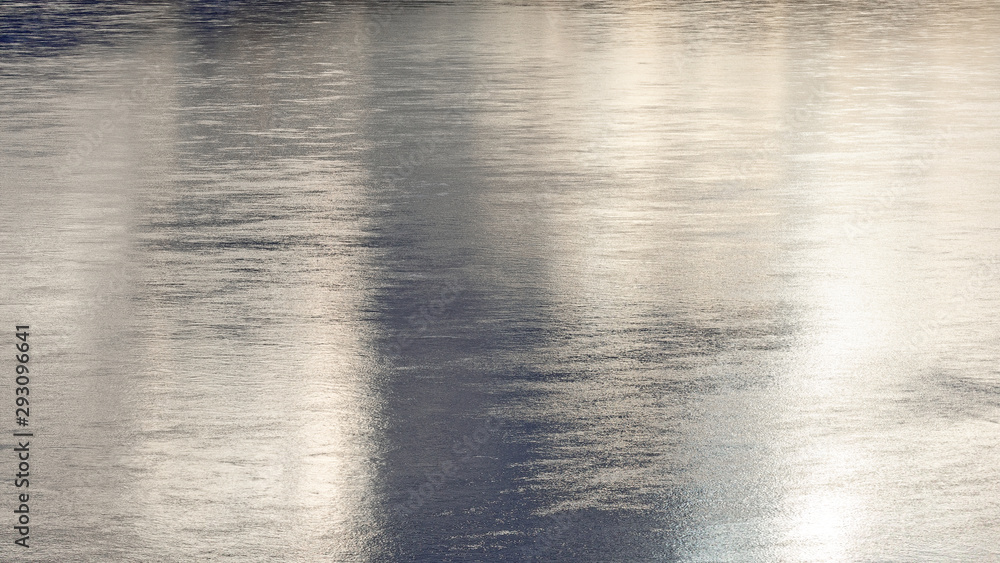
x=500 y=281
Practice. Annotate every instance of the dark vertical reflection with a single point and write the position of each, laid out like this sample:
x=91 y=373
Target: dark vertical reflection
x=448 y=472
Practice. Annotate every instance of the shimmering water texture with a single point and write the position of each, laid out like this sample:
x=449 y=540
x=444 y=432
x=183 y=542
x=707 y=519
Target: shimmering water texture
x=504 y=281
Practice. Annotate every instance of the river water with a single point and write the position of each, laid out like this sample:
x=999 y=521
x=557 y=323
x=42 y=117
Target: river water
x=504 y=281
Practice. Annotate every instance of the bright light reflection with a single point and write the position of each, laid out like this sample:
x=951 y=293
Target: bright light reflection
x=821 y=526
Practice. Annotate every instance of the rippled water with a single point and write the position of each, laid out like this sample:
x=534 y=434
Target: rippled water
x=498 y=281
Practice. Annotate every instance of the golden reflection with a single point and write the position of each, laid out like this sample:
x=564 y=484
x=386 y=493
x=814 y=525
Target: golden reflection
x=258 y=411
x=667 y=237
